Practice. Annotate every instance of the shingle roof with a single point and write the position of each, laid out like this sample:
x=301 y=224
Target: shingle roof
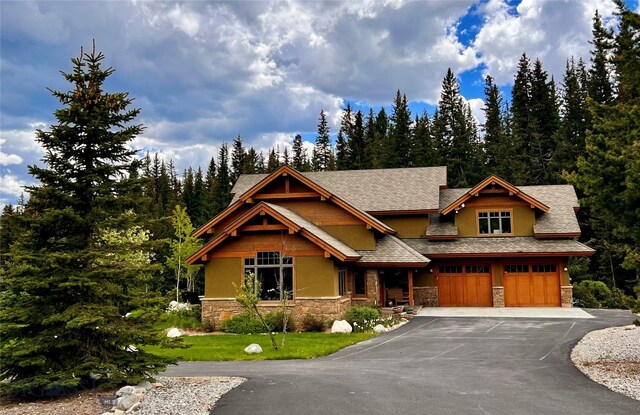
x=315 y=230
x=561 y=199
x=561 y=217
x=437 y=228
x=496 y=246
x=391 y=250
x=376 y=190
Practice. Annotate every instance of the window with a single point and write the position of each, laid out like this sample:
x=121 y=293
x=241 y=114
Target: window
x=451 y=269
x=477 y=269
x=516 y=268
x=494 y=223
x=359 y=283
x=544 y=268
x=342 y=289
x=274 y=272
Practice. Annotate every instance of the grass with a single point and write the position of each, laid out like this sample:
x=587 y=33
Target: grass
x=219 y=347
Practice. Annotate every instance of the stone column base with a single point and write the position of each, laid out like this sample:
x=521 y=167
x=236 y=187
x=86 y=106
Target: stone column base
x=498 y=296
x=426 y=296
x=566 y=296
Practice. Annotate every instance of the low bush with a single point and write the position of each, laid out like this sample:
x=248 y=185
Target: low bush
x=362 y=318
x=190 y=318
x=246 y=323
x=596 y=294
x=312 y=322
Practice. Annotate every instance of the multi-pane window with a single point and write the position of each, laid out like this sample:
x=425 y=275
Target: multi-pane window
x=548 y=268
x=342 y=274
x=477 y=269
x=274 y=272
x=520 y=268
x=451 y=269
x=359 y=282
x=494 y=223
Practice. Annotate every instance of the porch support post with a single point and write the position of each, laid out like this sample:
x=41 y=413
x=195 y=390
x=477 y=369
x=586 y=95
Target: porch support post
x=410 y=288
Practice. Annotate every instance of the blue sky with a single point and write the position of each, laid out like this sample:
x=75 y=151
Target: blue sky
x=205 y=72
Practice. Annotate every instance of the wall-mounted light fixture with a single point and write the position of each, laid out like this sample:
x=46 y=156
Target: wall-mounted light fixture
x=565 y=269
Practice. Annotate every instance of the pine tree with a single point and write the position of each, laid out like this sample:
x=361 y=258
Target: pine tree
x=343 y=161
x=322 y=152
x=286 y=158
x=65 y=293
x=357 y=150
x=424 y=152
x=370 y=148
x=188 y=192
x=501 y=153
x=600 y=87
x=456 y=137
x=626 y=56
x=224 y=180
x=380 y=146
x=273 y=162
x=399 y=141
x=237 y=159
x=575 y=119
x=211 y=189
x=299 y=161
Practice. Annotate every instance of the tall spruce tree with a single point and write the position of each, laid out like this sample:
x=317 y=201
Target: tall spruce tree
x=357 y=150
x=211 y=188
x=322 y=152
x=343 y=160
x=399 y=138
x=65 y=294
x=238 y=155
x=600 y=87
x=501 y=151
x=299 y=161
x=424 y=152
x=223 y=196
x=456 y=136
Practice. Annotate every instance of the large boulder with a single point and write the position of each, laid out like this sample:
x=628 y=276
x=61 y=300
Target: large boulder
x=174 y=332
x=341 y=326
x=126 y=390
x=253 y=348
x=124 y=403
x=379 y=328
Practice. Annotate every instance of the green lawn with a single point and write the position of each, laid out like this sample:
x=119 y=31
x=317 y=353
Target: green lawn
x=231 y=346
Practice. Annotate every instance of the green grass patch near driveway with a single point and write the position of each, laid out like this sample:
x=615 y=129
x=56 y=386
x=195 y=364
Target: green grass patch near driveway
x=231 y=346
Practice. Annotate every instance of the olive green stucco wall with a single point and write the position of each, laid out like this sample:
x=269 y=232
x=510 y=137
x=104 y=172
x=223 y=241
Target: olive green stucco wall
x=219 y=275
x=407 y=226
x=424 y=278
x=523 y=219
x=356 y=236
x=315 y=276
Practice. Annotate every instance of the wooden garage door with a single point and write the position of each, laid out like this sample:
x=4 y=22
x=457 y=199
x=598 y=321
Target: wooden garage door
x=464 y=286
x=531 y=285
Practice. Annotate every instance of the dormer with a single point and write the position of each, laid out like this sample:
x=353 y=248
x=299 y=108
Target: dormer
x=493 y=208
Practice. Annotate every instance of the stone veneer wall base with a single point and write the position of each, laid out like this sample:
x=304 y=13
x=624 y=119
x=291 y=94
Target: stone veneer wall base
x=216 y=310
x=498 y=296
x=566 y=296
x=426 y=296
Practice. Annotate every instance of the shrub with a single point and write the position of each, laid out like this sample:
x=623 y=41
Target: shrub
x=184 y=319
x=361 y=317
x=617 y=299
x=312 y=322
x=591 y=294
x=275 y=321
x=246 y=323
x=242 y=324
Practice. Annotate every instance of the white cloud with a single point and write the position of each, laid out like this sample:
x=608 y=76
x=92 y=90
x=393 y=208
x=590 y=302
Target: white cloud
x=11 y=185
x=552 y=30
x=477 y=105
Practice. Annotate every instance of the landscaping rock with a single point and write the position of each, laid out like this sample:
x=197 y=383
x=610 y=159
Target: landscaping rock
x=174 y=332
x=142 y=387
x=126 y=390
x=134 y=407
x=253 y=348
x=125 y=402
x=379 y=328
x=341 y=326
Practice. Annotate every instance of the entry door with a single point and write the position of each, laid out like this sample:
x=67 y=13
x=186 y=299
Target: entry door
x=465 y=286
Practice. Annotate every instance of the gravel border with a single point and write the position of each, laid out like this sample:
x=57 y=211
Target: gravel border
x=611 y=357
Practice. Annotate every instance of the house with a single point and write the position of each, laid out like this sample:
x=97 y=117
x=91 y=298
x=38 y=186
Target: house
x=329 y=240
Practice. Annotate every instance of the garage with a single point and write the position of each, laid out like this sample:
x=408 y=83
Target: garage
x=464 y=285
x=531 y=285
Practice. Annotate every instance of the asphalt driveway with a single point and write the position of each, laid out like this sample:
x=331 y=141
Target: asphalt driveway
x=433 y=365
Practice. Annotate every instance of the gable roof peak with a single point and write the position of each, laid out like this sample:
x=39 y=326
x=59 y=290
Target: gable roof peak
x=493 y=180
